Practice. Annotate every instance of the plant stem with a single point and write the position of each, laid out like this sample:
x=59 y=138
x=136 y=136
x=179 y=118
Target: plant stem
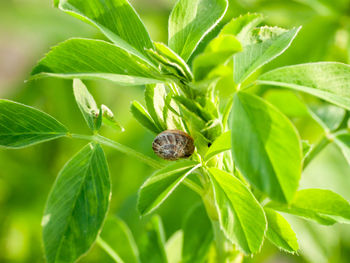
x=120 y=147
x=193 y=186
x=108 y=250
x=220 y=241
x=317 y=149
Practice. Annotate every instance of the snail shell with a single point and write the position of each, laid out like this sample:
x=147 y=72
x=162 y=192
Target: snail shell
x=173 y=144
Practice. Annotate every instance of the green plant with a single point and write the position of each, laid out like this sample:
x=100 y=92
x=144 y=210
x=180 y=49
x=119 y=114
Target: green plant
x=207 y=85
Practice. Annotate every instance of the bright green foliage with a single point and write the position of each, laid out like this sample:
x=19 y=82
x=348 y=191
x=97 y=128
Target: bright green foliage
x=240 y=215
x=279 y=232
x=242 y=26
x=323 y=206
x=266 y=147
x=221 y=144
x=173 y=247
x=143 y=117
x=197 y=236
x=343 y=142
x=152 y=243
x=190 y=21
x=267 y=44
x=117 y=234
x=76 y=206
x=161 y=184
x=328 y=116
x=326 y=80
x=22 y=126
x=96 y=59
x=116 y=19
x=86 y=104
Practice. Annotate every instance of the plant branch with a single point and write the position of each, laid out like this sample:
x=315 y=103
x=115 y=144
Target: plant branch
x=108 y=250
x=193 y=186
x=121 y=148
x=317 y=149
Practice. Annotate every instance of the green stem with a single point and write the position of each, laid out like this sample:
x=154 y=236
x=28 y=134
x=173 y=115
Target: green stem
x=220 y=241
x=121 y=148
x=193 y=186
x=109 y=250
x=317 y=149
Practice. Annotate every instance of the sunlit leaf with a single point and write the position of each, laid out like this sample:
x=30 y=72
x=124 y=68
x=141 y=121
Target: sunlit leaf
x=221 y=144
x=119 y=237
x=242 y=26
x=326 y=80
x=279 y=232
x=323 y=206
x=266 y=147
x=76 y=206
x=115 y=18
x=22 y=126
x=197 y=236
x=161 y=184
x=143 y=117
x=173 y=247
x=328 y=116
x=271 y=42
x=241 y=217
x=95 y=59
x=190 y=21
x=86 y=103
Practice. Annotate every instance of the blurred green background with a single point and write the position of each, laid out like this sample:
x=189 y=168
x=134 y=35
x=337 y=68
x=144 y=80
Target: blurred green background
x=28 y=28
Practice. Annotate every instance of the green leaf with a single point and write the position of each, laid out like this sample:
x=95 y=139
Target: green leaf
x=22 y=126
x=287 y=102
x=326 y=80
x=279 y=232
x=143 y=117
x=343 y=142
x=161 y=184
x=119 y=237
x=328 y=116
x=109 y=120
x=242 y=26
x=174 y=60
x=173 y=247
x=190 y=21
x=77 y=206
x=86 y=103
x=218 y=51
x=221 y=144
x=155 y=96
x=241 y=217
x=266 y=147
x=198 y=236
x=271 y=43
x=152 y=243
x=95 y=59
x=55 y=3
x=115 y=18
x=322 y=206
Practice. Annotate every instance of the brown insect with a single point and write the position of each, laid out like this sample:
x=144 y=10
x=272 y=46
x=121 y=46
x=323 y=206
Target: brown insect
x=172 y=145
